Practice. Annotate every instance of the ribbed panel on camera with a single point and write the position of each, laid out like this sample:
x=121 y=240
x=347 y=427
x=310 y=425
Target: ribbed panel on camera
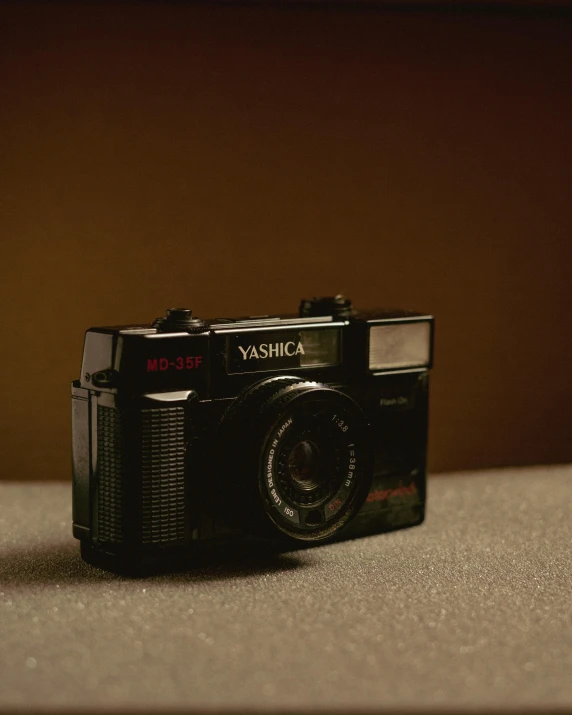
x=109 y=476
x=163 y=475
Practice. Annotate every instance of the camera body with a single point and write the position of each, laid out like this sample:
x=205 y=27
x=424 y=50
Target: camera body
x=284 y=430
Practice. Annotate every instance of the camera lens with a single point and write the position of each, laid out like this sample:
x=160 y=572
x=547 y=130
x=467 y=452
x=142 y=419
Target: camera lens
x=304 y=466
x=297 y=459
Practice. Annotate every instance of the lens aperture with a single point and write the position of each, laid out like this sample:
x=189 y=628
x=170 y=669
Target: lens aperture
x=304 y=466
x=306 y=463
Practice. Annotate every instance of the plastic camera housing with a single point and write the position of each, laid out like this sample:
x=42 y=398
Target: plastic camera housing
x=288 y=430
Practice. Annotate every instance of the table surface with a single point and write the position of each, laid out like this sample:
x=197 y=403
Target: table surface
x=471 y=609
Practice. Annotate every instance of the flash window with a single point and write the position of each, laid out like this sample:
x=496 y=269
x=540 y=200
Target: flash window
x=399 y=345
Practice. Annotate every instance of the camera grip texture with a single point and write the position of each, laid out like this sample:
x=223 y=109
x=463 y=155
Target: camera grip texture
x=139 y=477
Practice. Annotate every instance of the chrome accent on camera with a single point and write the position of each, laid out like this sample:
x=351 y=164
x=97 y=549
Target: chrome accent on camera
x=177 y=396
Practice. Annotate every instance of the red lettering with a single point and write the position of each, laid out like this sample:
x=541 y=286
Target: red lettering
x=383 y=494
x=180 y=363
x=193 y=362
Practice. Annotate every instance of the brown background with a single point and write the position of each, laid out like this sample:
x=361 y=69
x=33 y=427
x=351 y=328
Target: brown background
x=235 y=159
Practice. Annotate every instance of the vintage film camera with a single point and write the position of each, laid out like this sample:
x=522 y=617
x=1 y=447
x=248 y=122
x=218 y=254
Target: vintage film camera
x=286 y=430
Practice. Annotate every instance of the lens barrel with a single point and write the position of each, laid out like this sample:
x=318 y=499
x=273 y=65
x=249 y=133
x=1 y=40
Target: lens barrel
x=297 y=459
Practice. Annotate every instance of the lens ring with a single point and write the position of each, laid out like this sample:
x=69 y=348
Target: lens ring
x=328 y=419
x=262 y=429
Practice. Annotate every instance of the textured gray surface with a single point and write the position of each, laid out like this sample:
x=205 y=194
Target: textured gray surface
x=472 y=609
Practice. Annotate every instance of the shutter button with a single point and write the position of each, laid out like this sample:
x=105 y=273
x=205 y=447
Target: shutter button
x=179 y=320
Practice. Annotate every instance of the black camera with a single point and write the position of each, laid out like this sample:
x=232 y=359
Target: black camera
x=284 y=430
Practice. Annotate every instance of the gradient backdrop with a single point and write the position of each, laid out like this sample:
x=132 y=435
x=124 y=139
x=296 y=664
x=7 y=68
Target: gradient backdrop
x=234 y=159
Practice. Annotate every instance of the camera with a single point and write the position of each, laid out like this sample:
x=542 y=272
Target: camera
x=284 y=430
